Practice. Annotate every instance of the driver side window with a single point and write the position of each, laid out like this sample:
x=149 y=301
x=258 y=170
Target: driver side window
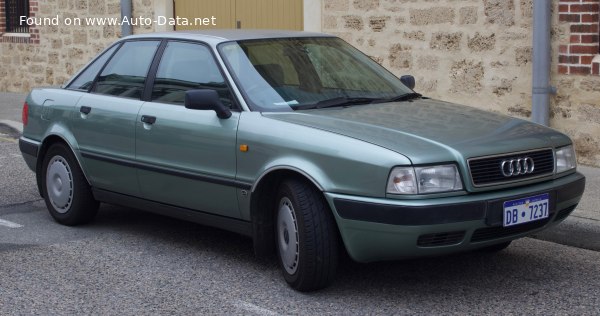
x=187 y=66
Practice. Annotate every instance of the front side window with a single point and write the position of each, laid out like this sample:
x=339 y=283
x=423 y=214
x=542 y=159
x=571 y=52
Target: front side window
x=85 y=80
x=186 y=66
x=14 y=10
x=301 y=73
x=125 y=74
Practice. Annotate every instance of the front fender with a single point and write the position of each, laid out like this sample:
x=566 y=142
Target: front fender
x=333 y=162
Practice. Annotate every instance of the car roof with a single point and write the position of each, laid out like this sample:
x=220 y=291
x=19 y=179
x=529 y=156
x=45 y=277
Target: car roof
x=216 y=36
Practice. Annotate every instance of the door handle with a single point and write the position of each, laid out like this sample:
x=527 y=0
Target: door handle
x=85 y=110
x=148 y=119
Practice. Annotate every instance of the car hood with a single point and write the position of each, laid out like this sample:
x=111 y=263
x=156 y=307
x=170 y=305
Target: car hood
x=429 y=131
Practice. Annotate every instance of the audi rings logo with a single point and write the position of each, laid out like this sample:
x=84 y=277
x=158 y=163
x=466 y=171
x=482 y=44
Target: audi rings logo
x=518 y=166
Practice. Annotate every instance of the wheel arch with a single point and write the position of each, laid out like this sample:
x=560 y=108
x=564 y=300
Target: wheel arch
x=47 y=142
x=262 y=202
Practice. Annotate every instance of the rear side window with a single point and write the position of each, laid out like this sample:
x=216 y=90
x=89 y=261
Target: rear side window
x=85 y=80
x=125 y=74
x=186 y=66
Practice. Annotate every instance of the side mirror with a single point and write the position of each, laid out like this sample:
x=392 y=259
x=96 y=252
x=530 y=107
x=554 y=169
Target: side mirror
x=206 y=100
x=408 y=81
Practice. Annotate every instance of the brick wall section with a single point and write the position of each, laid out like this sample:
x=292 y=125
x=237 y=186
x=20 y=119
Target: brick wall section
x=34 y=36
x=52 y=54
x=474 y=52
x=576 y=56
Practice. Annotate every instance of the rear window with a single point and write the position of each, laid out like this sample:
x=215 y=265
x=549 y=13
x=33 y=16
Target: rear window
x=85 y=79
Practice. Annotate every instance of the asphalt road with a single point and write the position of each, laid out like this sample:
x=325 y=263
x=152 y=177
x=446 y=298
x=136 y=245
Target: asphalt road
x=129 y=262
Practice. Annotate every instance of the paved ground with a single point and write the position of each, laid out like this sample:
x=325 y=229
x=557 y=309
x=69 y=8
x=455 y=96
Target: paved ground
x=129 y=262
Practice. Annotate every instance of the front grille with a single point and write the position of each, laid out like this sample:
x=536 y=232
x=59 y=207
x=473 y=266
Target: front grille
x=440 y=239
x=490 y=233
x=487 y=171
x=564 y=213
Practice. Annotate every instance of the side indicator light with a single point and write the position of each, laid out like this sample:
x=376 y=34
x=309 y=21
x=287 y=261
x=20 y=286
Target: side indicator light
x=243 y=148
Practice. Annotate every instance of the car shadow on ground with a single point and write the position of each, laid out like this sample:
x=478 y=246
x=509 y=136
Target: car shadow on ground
x=523 y=271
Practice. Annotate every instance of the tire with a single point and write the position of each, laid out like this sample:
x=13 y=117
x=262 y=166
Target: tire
x=67 y=194
x=496 y=248
x=306 y=236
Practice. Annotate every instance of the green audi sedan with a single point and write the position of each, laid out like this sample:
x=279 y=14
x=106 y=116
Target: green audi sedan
x=297 y=140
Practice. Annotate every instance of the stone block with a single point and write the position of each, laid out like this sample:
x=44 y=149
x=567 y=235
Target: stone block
x=377 y=23
x=81 y=4
x=466 y=76
x=97 y=7
x=433 y=15
x=428 y=62
x=400 y=56
x=49 y=75
x=415 y=35
x=505 y=86
x=366 y=5
x=523 y=55
x=63 y=4
x=587 y=146
x=113 y=9
x=519 y=110
x=75 y=53
x=561 y=106
x=353 y=22
x=53 y=58
x=479 y=43
x=527 y=8
x=109 y=31
x=424 y=85
x=336 y=5
x=330 y=22
x=80 y=37
x=590 y=84
x=500 y=12
x=589 y=113
x=467 y=15
x=56 y=43
x=36 y=69
x=446 y=41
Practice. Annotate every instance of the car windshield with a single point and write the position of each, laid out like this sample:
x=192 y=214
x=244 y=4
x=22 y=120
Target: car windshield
x=304 y=73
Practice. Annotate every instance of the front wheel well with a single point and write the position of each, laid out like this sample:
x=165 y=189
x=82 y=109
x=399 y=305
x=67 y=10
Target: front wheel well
x=262 y=208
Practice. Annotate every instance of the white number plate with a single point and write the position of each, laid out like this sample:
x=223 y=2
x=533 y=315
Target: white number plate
x=526 y=210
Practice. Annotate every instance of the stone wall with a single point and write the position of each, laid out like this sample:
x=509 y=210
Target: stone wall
x=473 y=52
x=62 y=50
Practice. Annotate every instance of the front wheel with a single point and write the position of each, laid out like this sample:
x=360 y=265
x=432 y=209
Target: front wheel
x=306 y=236
x=66 y=192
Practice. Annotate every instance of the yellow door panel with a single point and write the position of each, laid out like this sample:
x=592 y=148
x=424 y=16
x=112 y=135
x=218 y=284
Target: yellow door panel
x=270 y=14
x=250 y=14
x=222 y=10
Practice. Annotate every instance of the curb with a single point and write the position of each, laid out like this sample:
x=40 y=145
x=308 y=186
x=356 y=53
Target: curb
x=17 y=127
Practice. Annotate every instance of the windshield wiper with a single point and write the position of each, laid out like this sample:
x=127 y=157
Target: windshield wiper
x=339 y=101
x=404 y=97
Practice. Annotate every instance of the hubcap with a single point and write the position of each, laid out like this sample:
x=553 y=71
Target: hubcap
x=59 y=184
x=287 y=235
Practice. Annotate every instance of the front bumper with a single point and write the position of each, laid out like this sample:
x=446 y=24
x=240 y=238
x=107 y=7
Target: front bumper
x=383 y=229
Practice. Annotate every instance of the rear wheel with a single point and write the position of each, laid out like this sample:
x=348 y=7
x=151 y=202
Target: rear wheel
x=306 y=236
x=66 y=192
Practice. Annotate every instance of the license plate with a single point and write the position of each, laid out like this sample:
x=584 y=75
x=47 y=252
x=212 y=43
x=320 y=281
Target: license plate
x=526 y=210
